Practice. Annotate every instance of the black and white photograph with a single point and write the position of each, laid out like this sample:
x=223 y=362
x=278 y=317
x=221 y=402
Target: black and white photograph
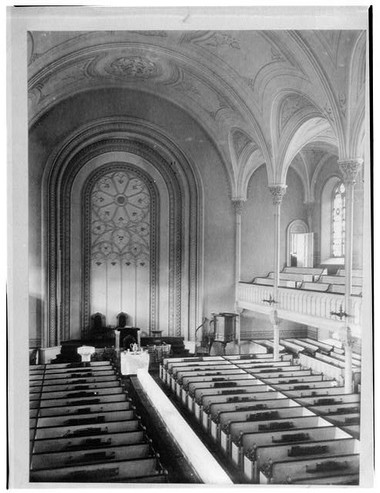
x=190 y=294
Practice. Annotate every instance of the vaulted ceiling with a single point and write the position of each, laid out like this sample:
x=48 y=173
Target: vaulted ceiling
x=263 y=96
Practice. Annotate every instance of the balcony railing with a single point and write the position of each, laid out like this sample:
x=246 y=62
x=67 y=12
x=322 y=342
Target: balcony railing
x=308 y=307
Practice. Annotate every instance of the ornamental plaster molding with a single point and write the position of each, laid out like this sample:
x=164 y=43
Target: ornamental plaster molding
x=277 y=192
x=350 y=169
x=134 y=67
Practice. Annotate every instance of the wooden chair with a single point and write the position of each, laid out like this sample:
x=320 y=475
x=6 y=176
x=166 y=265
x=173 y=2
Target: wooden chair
x=122 y=320
x=98 y=326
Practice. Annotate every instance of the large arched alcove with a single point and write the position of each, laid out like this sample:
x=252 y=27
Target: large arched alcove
x=174 y=279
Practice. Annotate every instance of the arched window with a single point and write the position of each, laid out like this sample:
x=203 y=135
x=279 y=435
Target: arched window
x=338 y=220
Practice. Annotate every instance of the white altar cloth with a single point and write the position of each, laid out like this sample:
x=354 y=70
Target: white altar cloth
x=130 y=362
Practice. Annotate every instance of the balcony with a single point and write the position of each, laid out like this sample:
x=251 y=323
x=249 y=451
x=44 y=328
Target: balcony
x=306 y=307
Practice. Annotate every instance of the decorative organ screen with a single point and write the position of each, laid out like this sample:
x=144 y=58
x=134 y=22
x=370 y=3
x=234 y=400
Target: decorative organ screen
x=120 y=249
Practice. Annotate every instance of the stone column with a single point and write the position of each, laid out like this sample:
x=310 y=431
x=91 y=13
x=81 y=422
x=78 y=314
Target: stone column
x=349 y=169
x=238 y=205
x=277 y=191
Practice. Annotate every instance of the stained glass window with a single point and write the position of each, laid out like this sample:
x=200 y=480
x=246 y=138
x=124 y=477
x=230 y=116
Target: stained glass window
x=338 y=220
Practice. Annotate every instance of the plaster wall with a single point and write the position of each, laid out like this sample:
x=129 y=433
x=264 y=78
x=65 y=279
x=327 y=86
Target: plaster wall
x=257 y=256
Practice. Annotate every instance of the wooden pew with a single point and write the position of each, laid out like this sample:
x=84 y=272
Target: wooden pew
x=234 y=431
x=331 y=400
x=85 y=409
x=82 y=443
x=207 y=397
x=215 y=409
x=272 y=370
x=174 y=369
x=258 y=367
x=345 y=419
x=356 y=360
x=315 y=392
x=285 y=387
x=315 y=271
x=288 y=471
x=345 y=408
x=294 y=379
x=344 y=479
x=243 y=398
x=190 y=383
x=73 y=387
x=78 y=401
x=270 y=346
x=103 y=417
x=323 y=347
x=55 y=373
x=79 y=380
x=257 y=357
x=169 y=363
x=70 y=394
x=87 y=430
x=225 y=420
x=114 y=470
x=245 y=455
x=53 y=370
x=292 y=347
x=266 y=455
x=315 y=286
x=101 y=455
x=309 y=347
x=317 y=365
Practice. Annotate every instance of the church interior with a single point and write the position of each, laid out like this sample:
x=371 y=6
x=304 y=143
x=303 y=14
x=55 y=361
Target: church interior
x=199 y=256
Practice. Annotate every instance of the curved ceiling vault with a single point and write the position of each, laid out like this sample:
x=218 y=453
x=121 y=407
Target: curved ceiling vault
x=231 y=82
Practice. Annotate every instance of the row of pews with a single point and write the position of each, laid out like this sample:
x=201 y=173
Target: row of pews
x=84 y=428
x=276 y=422
x=326 y=358
x=313 y=279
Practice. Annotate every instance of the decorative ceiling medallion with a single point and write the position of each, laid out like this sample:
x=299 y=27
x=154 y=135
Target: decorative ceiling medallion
x=133 y=67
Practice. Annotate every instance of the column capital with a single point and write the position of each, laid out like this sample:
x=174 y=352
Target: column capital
x=238 y=205
x=350 y=169
x=277 y=191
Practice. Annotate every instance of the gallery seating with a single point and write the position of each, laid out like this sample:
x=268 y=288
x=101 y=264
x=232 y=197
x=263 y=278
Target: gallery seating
x=313 y=279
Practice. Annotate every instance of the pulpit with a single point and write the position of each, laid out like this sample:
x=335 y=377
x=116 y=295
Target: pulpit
x=224 y=329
